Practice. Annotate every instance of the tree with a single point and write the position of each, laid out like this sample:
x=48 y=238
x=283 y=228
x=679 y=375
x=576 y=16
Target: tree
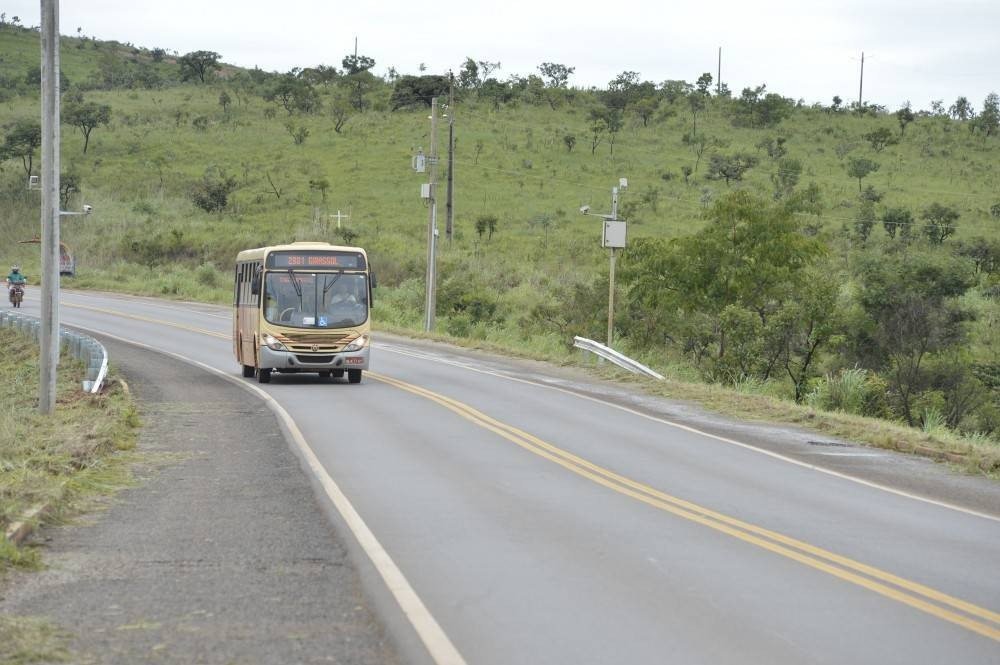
x=411 y=91
x=961 y=109
x=897 y=220
x=295 y=94
x=696 y=103
x=704 y=84
x=570 y=141
x=622 y=91
x=555 y=75
x=645 y=108
x=198 y=65
x=802 y=326
x=673 y=90
x=211 y=194
x=340 y=111
x=860 y=168
x=988 y=121
x=786 y=177
x=880 y=138
x=758 y=108
x=729 y=167
x=468 y=75
x=910 y=303
x=941 y=221
x=224 y=101
x=486 y=224
x=716 y=293
x=905 y=116
x=22 y=140
x=86 y=116
x=358 y=78
x=496 y=92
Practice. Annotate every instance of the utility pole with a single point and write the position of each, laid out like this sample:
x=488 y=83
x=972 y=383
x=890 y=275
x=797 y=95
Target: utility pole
x=49 y=350
x=430 y=292
x=861 y=82
x=718 y=78
x=449 y=207
x=611 y=272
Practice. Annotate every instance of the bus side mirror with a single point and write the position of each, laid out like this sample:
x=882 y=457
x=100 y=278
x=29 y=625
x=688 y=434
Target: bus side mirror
x=255 y=285
x=371 y=291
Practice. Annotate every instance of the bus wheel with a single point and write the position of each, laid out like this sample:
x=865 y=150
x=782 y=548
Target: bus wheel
x=263 y=375
x=354 y=376
x=248 y=371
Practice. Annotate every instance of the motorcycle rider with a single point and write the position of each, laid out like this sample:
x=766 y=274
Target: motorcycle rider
x=14 y=278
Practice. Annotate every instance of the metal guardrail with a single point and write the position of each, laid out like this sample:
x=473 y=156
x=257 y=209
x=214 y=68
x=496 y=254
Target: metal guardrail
x=617 y=358
x=87 y=349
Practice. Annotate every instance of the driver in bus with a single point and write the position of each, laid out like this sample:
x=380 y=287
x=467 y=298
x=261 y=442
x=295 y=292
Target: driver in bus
x=342 y=295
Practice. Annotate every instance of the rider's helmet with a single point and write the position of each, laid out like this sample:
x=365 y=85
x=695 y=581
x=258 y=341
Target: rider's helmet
x=15 y=269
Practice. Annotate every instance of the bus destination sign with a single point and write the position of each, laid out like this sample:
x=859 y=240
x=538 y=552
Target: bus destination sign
x=315 y=260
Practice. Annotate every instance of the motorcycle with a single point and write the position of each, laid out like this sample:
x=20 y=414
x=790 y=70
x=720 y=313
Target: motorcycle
x=16 y=294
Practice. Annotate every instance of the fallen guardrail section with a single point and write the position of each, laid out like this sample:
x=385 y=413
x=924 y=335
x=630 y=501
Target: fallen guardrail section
x=610 y=354
x=86 y=349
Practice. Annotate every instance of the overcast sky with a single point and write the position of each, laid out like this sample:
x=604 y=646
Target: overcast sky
x=916 y=50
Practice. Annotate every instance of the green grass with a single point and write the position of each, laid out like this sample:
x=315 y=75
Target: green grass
x=147 y=237
x=25 y=640
x=62 y=460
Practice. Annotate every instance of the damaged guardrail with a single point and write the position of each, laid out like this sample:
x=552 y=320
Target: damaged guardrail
x=86 y=349
x=617 y=358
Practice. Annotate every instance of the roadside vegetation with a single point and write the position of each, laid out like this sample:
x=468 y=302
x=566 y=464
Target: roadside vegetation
x=822 y=263
x=61 y=461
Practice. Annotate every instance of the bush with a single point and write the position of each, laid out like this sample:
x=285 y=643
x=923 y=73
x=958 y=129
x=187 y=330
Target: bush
x=212 y=194
x=853 y=391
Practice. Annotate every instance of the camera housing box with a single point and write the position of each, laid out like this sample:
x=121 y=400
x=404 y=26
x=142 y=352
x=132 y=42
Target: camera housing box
x=614 y=234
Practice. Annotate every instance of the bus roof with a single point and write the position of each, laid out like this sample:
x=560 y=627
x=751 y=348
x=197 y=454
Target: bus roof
x=261 y=252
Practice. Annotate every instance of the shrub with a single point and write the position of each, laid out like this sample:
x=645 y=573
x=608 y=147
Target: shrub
x=212 y=194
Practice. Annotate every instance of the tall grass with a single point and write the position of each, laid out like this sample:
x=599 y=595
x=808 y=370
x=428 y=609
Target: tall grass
x=845 y=391
x=60 y=459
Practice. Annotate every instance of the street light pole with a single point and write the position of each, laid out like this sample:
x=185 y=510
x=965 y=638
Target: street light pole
x=49 y=351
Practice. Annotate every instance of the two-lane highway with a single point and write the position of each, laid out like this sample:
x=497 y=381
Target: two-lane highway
x=517 y=517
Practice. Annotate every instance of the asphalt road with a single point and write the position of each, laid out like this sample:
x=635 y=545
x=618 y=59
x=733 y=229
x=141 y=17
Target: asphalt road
x=220 y=554
x=528 y=514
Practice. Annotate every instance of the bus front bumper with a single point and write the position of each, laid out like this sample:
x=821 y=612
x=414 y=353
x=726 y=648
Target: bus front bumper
x=287 y=361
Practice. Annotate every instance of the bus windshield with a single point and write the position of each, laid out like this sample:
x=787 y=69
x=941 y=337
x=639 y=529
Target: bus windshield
x=303 y=299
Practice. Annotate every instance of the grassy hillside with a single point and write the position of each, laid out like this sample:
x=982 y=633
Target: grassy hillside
x=541 y=275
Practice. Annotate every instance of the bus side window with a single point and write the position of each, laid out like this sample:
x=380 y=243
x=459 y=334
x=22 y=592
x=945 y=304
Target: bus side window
x=236 y=289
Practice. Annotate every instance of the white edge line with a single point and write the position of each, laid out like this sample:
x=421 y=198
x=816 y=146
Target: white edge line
x=441 y=649
x=687 y=428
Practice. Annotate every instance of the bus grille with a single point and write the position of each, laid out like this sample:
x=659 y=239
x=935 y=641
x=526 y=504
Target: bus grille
x=316 y=342
x=314 y=360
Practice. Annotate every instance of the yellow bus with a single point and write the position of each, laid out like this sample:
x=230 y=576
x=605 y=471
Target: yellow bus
x=303 y=307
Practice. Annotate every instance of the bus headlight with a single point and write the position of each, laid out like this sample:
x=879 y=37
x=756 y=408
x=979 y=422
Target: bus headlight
x=358 y=344
x=272 y=343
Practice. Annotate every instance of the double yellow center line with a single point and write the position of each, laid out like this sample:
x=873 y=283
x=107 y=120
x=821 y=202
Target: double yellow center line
x=967 y=615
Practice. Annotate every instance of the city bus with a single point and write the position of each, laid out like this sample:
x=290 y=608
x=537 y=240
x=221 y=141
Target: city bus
x=303 y=307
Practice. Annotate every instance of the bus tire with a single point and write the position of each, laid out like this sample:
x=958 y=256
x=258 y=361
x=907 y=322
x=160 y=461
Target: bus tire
x=264 y=375
x=354 y=376
x=249 y=371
